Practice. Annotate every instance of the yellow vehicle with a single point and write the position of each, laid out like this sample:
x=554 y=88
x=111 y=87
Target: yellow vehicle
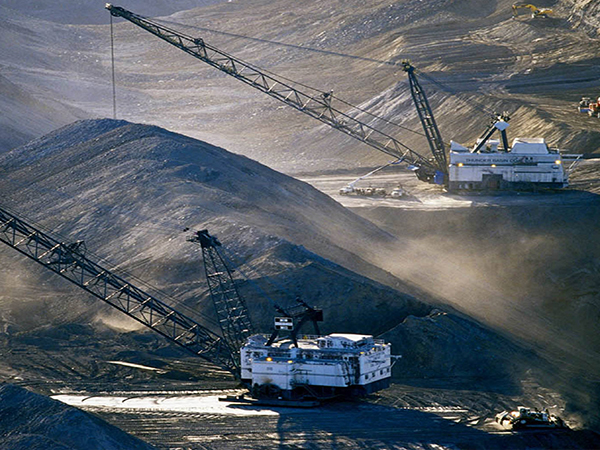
x=534 y=10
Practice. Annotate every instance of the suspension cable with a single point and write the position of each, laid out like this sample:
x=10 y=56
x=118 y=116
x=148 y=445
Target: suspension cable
x=443 y=87
x=297 y=83
x=471 y=103
x=234 y=263
x=112 y=58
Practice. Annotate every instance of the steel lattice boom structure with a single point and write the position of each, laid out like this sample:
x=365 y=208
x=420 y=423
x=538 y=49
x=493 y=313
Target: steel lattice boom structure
x=230 y=307
x=434 y=138
x=70 y=262
x=317 y=105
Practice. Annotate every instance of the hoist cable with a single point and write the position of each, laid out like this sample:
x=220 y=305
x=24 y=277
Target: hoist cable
x=297 y=83
x=112 y=58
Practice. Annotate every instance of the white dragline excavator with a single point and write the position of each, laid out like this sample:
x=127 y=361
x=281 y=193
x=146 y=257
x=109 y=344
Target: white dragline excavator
x=528 y=164
x=286 y=371
x=317 y=104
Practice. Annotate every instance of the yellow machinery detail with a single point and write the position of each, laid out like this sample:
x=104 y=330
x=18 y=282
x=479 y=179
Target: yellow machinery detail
x=535 y=11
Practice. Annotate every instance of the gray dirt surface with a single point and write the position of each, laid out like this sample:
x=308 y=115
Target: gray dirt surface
x=34 y=422
x=493 y=301
x=128 y=190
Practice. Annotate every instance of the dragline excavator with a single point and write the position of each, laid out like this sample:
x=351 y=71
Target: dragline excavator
x=528 y=164
x=319 y=105
x=276 y=369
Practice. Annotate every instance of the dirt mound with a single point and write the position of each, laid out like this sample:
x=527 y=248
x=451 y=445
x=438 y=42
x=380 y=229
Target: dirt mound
x=36 y=422
x=128 y=190
x=117 y=176
x=464 y=352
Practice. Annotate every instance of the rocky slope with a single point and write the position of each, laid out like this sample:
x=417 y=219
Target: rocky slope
x=584 y=14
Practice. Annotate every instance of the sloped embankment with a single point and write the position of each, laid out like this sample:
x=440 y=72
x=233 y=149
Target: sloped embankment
x=128 y=190
x=584 y=14
x=33 y=421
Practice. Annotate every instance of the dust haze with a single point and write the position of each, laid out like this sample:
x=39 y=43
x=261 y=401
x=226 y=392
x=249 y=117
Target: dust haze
x=490 y=300
x=502 y=278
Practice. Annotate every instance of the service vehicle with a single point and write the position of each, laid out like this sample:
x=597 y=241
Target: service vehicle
x=523 y=418
x=533 y=10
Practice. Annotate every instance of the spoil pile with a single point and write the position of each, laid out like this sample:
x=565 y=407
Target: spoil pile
x=36 y=422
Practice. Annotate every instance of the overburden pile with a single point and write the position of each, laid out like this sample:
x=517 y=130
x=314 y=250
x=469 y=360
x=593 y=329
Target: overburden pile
x=32 y=421
x=129 y=190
